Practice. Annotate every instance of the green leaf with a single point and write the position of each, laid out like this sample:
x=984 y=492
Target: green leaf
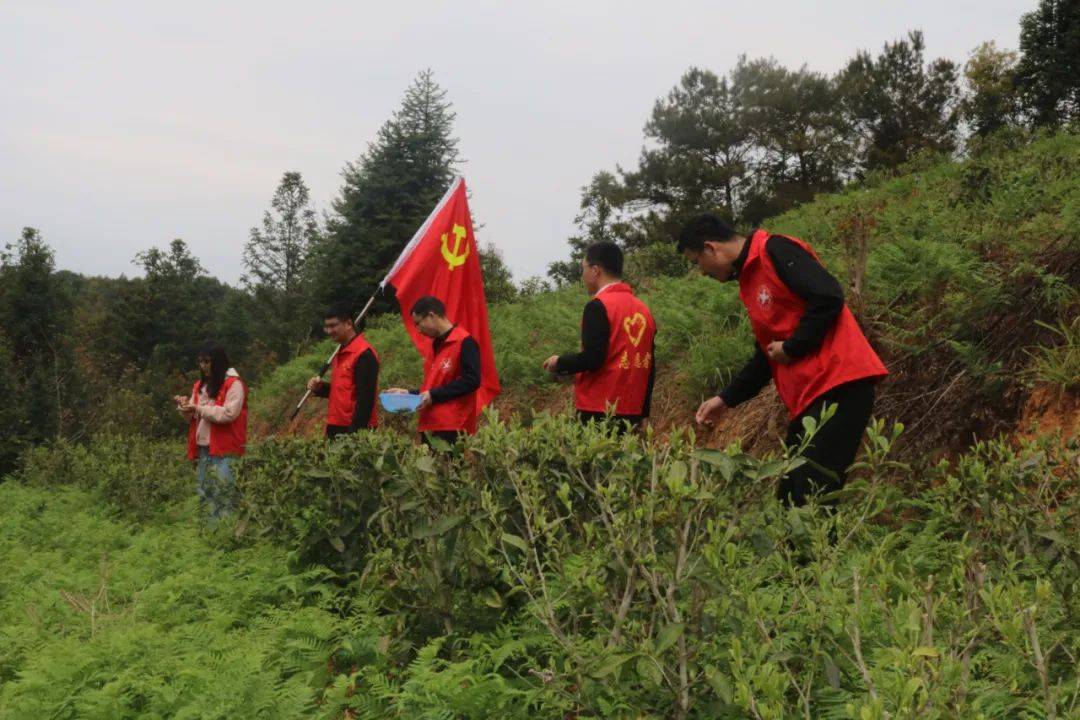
x=613 y=664
x=927 y=652
x=440 y=526
x=338 y=543
x=668 y=636
x=832 y=672
x=649 y=670
x=767 y=470
x=491 y=598
x=515 y=540
x=720 y=684
x=1053 y=536
x=425 y=463
x=718 y=459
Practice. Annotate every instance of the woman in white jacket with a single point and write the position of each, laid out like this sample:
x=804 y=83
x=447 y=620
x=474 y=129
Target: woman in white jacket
x=216 y=412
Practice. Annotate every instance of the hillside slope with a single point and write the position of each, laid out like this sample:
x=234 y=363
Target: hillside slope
x=954 y=269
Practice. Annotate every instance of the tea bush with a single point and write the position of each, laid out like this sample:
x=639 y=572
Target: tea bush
x=607 y=576
x=551 y=570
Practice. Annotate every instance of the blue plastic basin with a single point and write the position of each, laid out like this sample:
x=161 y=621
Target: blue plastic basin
x=399 y=402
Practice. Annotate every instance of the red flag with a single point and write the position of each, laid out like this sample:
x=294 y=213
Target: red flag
x=442 y=260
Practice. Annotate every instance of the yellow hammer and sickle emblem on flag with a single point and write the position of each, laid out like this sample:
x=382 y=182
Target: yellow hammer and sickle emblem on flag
x=456 y=257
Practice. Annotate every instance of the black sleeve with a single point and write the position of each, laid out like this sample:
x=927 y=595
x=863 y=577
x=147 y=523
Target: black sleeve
x=323 y=390
x=648 y=391
x=469 y=379
x=594 y=342
x=365 y=380
x=808 y=279
x=754 y=375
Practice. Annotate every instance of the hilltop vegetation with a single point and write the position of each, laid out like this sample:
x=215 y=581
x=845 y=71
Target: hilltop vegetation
x=959 y=272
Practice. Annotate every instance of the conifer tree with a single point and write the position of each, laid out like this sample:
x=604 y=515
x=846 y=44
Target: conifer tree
x=387 y=193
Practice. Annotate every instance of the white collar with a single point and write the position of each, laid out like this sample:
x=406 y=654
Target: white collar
x=597 y=293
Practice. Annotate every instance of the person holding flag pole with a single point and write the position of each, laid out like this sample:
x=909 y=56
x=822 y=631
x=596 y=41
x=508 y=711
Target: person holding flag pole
x=441 y=263
x=354 y=376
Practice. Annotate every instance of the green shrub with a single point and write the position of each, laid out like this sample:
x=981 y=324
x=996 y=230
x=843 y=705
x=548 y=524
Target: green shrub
x=578 y=572
x=139 y=475
x=1058 y=365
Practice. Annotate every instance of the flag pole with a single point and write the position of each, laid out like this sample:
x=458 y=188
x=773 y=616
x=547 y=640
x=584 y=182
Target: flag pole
x=326 y=365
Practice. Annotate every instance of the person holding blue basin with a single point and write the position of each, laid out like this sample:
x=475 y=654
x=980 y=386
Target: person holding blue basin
x=447 y=399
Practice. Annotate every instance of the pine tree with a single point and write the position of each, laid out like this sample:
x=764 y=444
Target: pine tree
x=167 y=312
x=275 y=258
x=498 y=280
x=801 y=142
x=898 y=104
x=387 y=193
x=596 y=222
x=1049 y=69
x=702 y=146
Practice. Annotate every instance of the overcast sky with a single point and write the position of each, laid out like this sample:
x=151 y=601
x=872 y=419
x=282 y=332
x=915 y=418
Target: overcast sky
x=127 y=124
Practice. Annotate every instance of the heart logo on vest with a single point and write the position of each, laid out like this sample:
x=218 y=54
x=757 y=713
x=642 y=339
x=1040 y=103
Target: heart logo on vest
x=635 y=328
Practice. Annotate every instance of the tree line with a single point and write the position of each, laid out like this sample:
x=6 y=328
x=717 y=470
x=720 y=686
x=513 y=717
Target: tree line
x=762 y=138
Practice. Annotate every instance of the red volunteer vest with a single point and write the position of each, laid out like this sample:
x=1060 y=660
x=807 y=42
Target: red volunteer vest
x=443 y=367
x=623 y=380
x=227 y=439
x=342 y=403
x=775 y=310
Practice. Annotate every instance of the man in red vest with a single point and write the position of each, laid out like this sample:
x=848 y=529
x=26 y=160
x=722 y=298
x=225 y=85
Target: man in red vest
x=451 y=374
x=807 y=342
x=615 y=369
x=354 y=376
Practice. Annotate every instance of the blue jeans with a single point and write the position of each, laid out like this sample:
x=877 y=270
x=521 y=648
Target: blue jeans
x=216 y=483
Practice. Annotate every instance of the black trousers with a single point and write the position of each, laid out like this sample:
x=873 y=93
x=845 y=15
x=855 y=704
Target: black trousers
x=835 y=444
x=621 y=423
x=332 y=431
x=447 y=436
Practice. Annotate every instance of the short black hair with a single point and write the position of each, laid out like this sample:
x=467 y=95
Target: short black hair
x=340 y=310
x=699 y=229
x=428 y=304
x=606 y=255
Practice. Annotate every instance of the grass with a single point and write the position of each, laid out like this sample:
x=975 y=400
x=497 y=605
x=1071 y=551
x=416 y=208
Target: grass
x=102 y=618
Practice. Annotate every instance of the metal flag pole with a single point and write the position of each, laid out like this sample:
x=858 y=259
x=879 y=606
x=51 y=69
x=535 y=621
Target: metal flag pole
x=326 y=365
